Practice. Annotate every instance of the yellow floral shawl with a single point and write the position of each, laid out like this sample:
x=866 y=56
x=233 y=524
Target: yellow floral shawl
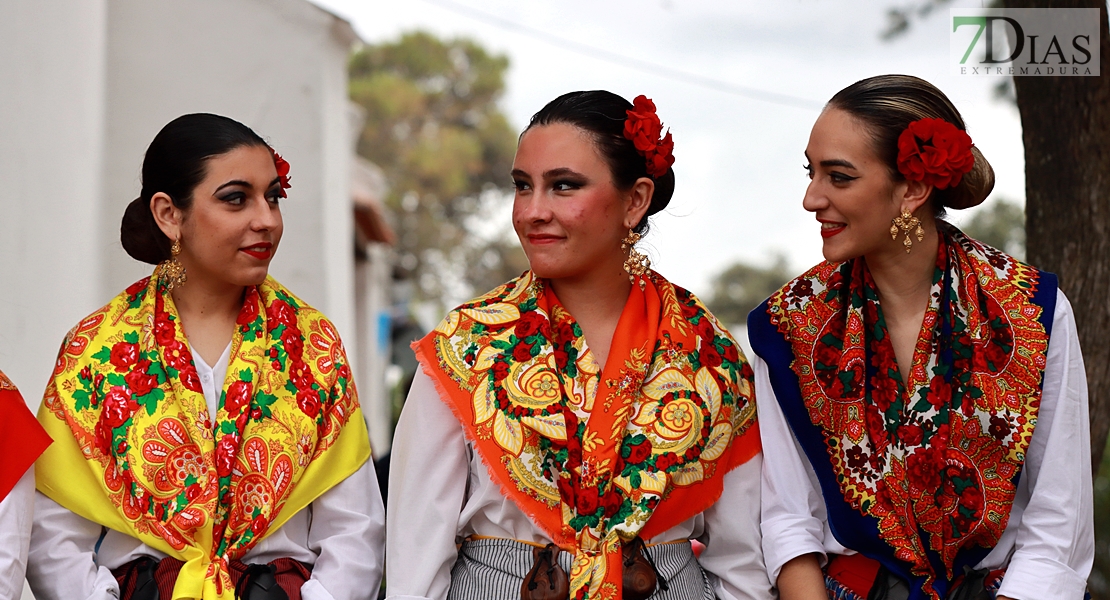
x=137 y=451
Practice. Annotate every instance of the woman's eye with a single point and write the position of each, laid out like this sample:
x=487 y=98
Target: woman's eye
x=275 y=197
x=840 y=177
x=565 y=186
x=521 y=185
x=809 y=170
x=233 y=199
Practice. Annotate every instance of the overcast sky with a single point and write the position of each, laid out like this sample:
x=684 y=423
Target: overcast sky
x=738 y=160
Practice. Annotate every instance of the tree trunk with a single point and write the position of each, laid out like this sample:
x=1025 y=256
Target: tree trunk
x=1066 y=130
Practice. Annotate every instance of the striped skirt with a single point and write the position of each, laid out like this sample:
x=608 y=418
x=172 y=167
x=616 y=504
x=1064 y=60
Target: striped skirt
x=494 y=569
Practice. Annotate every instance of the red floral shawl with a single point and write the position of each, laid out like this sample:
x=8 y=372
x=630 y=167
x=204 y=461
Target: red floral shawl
x=934 y=463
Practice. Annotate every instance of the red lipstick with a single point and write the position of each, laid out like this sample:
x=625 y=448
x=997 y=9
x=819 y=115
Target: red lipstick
x=828 y=232
x=543 y=238
x=261 y=251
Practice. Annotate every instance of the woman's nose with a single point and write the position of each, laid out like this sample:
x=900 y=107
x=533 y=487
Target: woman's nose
x=532 y=208
x=814 y=199
x=266 y=215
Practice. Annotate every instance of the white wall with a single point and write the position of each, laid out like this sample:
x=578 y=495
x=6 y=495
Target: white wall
x=52 y=93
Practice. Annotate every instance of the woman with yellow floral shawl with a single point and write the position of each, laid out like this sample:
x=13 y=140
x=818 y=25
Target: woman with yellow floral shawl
x=922 y=397
x=575 y=413
x=209 y=442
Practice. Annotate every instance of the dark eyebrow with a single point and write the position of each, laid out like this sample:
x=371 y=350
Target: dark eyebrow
x=838 y=162
x=245 y=184
x=518 y=173
x=561 y=171
x=235 y=182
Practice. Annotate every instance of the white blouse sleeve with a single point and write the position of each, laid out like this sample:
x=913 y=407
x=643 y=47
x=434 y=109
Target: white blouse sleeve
x=1054 y=548
x=61 y=564
x=428 y=475
x=15 y=535
x=793 y=511
x=733 y=552
x=347 y=533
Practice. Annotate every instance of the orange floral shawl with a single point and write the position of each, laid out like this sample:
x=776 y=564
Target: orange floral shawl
x=596 y=456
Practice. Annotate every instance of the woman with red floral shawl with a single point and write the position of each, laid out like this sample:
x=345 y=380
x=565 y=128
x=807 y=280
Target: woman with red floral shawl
x=923 y=404
x=22 y=440
x=576 y=427
x=208 y=437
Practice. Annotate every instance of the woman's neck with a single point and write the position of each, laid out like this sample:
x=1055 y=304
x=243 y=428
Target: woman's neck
x=208 y=313
x=596 y=301
x=905 y=278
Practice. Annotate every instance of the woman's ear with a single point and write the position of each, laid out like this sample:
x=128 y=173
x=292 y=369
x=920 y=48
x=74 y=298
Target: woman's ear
x=166 y=215
x=639 y=201
x=914 y=195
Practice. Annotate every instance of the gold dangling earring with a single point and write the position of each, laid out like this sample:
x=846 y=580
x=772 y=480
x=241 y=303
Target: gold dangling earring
x=637 y=263
x=906 y=222
x=172 y=272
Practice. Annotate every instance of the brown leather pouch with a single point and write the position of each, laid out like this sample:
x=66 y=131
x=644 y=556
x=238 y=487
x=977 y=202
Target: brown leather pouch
x=639 y=581
x=546 y=580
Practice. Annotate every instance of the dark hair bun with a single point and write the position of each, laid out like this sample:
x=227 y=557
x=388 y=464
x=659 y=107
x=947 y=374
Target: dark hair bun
x=174 y=165
x=664 y=189
x=140 y=235
x=975 y=186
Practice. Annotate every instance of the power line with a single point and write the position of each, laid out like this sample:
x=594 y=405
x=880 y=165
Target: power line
x=628 y=61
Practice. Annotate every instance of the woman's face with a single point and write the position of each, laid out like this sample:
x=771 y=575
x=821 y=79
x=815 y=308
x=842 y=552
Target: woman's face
x=567 y=212
x=851 y=191
x=231 y=231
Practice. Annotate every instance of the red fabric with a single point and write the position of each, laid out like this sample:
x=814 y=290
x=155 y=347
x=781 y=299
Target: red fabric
x=22 y=439
x=291 y=575
x=854 y=571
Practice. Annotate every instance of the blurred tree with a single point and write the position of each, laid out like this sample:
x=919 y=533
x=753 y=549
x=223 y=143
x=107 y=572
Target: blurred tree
x=1099 y=581
x=898 y=18
x=495 y=262
x=740 y=288
x=434 y=126
x=1066 y=132
x=1001 y=225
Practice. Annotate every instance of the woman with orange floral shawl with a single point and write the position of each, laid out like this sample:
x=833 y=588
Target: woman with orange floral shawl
x=209 y=442
x=922 y=398
x=576 y=412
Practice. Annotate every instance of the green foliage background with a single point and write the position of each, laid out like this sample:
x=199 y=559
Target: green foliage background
x=434 y=126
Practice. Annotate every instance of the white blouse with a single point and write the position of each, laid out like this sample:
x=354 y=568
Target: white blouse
x=15 y=535
x=340 y=534
x=440 y=493
x=1048 y=542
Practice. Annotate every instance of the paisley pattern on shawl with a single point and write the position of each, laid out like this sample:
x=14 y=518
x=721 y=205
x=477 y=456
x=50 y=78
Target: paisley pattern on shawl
x=592 y=454
x=139 y=452
x=934 y=463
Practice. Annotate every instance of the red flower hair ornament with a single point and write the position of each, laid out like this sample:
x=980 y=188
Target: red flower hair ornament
x=935 y=152
x=643 y=127
x=282 y=166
